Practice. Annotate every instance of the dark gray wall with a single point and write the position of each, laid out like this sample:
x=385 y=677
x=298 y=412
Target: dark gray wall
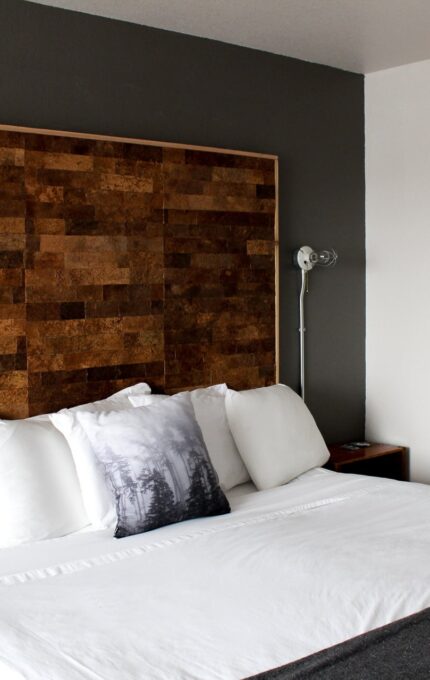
x=71 y=71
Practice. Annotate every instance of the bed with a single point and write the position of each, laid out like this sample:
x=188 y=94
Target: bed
x=123 y=261
x=290 y=571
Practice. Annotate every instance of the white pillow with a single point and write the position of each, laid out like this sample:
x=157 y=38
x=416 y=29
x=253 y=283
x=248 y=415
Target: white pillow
x=39 y=489
x=209 y=409
x=275 y=433
x=98 y=502
x=147 y=399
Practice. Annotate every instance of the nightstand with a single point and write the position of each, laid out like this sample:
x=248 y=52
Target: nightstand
x=377 y=460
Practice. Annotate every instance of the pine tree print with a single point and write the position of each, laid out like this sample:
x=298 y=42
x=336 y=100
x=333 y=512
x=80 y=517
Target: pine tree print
x=162 y=509
x=162 y=473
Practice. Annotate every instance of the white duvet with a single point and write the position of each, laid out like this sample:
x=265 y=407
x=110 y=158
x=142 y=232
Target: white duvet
x=290 y=571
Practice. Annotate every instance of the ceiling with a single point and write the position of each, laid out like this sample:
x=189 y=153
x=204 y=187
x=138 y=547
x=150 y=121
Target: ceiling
x=355 y=35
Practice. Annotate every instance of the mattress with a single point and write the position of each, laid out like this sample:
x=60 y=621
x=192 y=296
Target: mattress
x=290 y=571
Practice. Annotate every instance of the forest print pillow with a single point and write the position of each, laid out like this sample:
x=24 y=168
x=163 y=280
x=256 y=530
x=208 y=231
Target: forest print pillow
x=156 y=463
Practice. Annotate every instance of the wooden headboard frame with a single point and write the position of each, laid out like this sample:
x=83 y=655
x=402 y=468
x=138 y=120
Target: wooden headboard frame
x=125 y=259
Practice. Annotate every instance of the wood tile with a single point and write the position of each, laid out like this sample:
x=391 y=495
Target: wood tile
x=12 y=225
x=63 y=161
x=126 y=183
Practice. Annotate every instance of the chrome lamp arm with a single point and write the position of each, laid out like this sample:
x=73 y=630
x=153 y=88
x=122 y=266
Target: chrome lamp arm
x=306 y=258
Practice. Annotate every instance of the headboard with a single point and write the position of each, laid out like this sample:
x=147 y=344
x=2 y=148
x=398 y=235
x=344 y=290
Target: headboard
x=124 y=260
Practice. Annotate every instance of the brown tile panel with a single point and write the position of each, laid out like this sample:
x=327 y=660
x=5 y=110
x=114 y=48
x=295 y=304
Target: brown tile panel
x=124 y=262
x=218 y=245
x=13 y=348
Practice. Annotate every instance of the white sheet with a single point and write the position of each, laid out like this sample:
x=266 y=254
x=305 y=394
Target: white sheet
x=292 y=570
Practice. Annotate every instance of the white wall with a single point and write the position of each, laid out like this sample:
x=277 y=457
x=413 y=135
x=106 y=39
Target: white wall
x=398 y=260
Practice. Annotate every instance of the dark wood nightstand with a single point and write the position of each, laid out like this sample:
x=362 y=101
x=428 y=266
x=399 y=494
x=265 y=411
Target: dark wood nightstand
x=377 y=460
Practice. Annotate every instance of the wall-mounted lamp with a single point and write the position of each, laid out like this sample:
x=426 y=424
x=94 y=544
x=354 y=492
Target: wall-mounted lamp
x=306 y=258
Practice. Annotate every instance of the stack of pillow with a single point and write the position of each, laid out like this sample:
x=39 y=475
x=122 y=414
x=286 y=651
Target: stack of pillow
x=138 y=461
x=40 y=495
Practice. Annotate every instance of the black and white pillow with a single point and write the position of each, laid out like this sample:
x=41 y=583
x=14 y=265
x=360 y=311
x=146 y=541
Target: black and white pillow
x=156 y=463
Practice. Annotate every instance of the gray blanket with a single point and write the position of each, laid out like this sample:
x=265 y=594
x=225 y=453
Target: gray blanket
x=398 y=650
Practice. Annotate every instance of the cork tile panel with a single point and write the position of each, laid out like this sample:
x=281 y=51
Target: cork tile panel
x=123 y=262
x=220 y=284
x=13 y=348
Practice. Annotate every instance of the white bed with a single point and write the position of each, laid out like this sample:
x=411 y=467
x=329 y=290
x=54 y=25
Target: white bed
x=290 y=571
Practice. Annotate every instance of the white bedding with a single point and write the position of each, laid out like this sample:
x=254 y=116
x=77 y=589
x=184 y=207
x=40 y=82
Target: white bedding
x=292 y=570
